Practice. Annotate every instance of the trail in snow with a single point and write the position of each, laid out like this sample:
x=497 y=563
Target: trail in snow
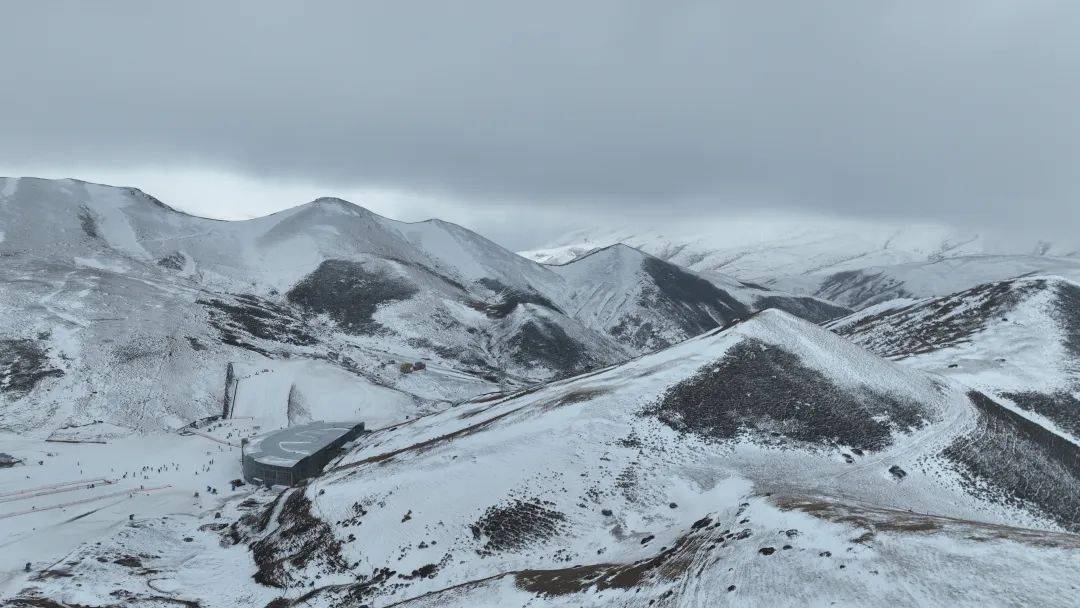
x=64 y=505
x=14 y=496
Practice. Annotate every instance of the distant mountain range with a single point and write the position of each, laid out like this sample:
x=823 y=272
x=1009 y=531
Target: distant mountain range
x=851 y=263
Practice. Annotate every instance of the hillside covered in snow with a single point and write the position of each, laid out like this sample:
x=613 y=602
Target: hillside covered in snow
x=633 y=426
x=847 y=262
x=124 y=313
x=1017 y=340
x=748 y=466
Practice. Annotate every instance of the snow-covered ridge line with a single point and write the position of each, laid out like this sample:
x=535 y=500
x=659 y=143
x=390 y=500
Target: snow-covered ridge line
x=327 y=283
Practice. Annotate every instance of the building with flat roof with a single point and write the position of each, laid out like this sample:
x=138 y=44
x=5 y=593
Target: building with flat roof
x=291 y=455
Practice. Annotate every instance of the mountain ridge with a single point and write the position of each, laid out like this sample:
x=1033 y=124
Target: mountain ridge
x=321 y=280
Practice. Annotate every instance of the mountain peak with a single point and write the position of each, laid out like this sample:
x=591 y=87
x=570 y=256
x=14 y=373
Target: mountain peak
x=333 y=203
x=617 y=251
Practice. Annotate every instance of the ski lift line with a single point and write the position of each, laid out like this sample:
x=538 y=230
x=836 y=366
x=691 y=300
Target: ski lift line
x=83 y=501
x=211 y=437
x=82 y=486
x=56 y=485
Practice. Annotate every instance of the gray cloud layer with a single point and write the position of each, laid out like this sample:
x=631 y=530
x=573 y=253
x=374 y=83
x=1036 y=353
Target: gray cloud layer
x=963 y=111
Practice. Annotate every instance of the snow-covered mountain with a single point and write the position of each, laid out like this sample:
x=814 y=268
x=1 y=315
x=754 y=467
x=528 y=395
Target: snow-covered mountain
x=110 y=291
x=749 y=466
x=1016 y=340
x=648 y=303
x=850 y=263
x=761 y=250
x=617 y=430
x=875 y=284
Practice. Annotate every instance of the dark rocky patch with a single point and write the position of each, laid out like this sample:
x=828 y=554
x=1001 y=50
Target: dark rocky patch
x=246 y=318
x=88 y=222
x=670 y=564
x=349 y=293
x=694 y=304
x=301 y=539
x=897 y=472
x=939 y=323
x=128 y=561
x=173 y=261
x=760 y=389
x=509 y=298
x=580 y=395
x=543 y=342
x=515 y=526
x=8 y=461
x=860 y=289
x=680 y=286
x=1011 y=460
x=128 y=599
x=357 y=594
x=1060 y=407
x=1067 y=313
x=701 y=523
x=23 y=365
x=427 y=571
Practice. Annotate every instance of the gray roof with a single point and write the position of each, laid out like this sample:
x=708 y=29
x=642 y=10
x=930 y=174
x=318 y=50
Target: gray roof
x=288 y=446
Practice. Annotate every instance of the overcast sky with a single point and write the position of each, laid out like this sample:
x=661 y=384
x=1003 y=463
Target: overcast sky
x=525 y=119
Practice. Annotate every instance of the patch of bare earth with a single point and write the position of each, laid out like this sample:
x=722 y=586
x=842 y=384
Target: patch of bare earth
x=878 y=519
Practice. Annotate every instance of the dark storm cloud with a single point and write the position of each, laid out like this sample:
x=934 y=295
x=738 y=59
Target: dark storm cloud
x=960 y=111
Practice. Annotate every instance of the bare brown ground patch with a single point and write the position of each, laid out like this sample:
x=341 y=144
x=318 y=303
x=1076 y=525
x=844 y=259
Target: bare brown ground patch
x=670 y=565
x=878 y=519
x=428 y=444
x=580 y=395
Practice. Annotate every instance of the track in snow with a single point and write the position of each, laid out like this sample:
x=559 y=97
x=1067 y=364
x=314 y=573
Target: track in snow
x=53 y=488
x=80 y=502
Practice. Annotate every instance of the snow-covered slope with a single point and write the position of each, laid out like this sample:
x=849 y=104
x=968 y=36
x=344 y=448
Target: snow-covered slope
x=107 y=291
x=1016 y=340
x=769 y=463
x=872 y=285
x=849 y=263
x=648 y=303
x=122 y=312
